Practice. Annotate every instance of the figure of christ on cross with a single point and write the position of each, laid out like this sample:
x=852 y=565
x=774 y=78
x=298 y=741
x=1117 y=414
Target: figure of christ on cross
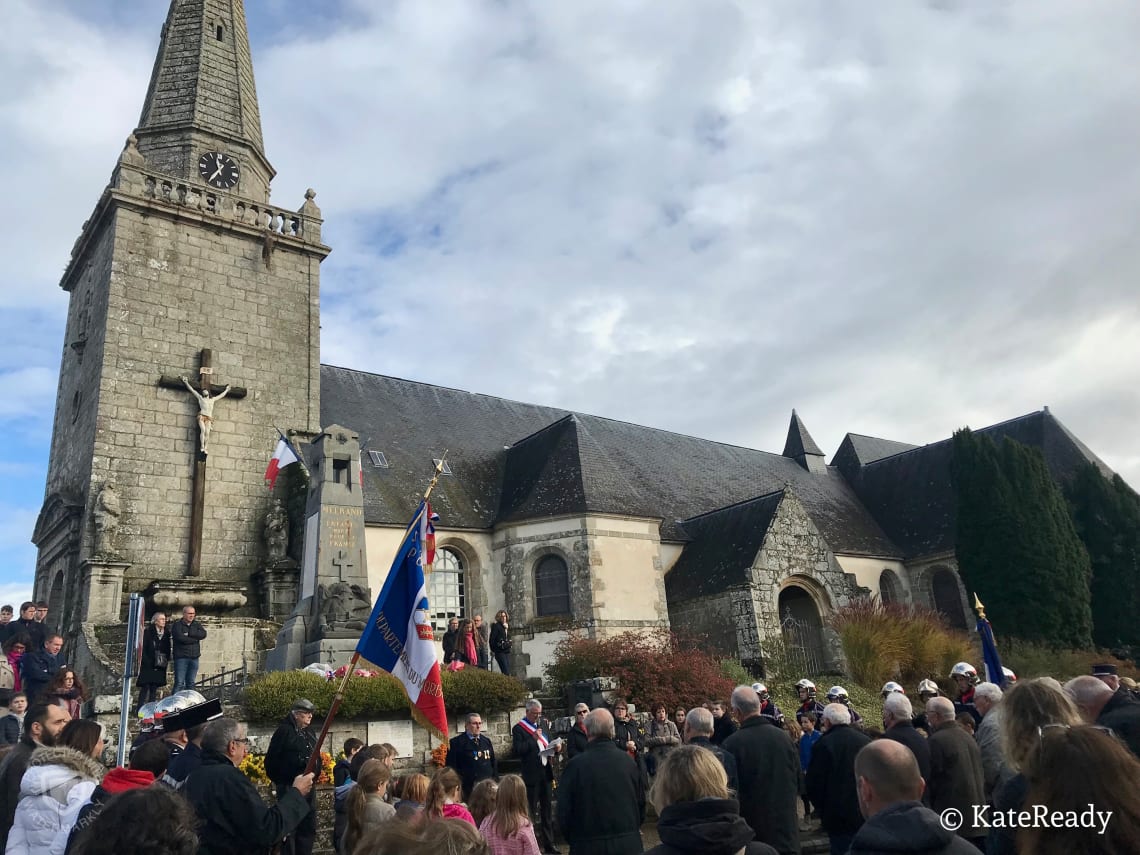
x=206 y=403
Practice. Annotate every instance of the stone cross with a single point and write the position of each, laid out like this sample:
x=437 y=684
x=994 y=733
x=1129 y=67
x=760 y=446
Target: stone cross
x=341 y=562
x=207 y=394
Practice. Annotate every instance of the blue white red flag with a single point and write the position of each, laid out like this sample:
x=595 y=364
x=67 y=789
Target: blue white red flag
x=994 y=672
x=283 y=455
x=399 y=636
x=427 y=532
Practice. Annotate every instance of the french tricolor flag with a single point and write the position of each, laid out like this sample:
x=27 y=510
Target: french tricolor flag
x=283 y=455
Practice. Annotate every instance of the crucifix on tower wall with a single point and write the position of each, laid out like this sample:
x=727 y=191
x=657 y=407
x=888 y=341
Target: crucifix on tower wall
x=207 y=393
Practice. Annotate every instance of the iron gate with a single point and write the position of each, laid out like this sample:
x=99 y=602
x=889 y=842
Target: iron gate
x=803 y=645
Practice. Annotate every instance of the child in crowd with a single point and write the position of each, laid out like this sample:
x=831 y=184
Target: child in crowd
x=807 y=741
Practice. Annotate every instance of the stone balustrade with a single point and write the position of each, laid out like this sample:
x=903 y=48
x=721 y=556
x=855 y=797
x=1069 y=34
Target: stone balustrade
x=186 y=194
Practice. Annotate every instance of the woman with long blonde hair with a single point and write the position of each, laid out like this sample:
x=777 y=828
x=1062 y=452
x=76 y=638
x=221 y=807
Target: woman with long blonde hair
x=444 y=797
x=695 y=811
x=508 y=829
x=366 y=807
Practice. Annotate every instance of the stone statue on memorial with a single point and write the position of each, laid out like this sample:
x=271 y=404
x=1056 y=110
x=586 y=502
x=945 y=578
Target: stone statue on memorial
x=206 y=403
x=105 y=515
x=276 y=533
x=342 y=607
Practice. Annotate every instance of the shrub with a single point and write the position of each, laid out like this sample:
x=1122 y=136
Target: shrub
x=1030 y=659
x=734 y=671
x=270 y=696
x=649 y=667
x=895 y=641
x=476 y=690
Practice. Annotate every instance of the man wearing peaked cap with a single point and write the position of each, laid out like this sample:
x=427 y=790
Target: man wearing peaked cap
x=289 y=750
x=193 y=721
x=1106 y=673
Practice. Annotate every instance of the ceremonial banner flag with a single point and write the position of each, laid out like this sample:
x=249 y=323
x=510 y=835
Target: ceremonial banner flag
x=283 y=455
x=399 y=635
x=990 y=656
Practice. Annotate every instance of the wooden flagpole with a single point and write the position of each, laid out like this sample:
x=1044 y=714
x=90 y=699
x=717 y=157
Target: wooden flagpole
x=315 y=757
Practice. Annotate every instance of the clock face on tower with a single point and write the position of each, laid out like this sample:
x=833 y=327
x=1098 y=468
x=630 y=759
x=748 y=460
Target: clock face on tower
x=218 y=170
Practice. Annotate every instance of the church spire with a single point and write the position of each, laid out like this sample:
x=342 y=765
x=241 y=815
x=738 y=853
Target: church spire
x=202 y=98
x=802 y=448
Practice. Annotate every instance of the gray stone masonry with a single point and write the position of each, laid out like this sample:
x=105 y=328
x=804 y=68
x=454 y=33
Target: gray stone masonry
x=163 y=269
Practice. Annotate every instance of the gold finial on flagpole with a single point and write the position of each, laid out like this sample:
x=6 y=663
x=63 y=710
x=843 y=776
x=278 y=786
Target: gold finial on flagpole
x=978 y=607
x=435 y=477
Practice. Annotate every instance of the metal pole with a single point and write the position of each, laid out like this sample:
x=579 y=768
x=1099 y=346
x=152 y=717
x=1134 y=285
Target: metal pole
x=128 y=672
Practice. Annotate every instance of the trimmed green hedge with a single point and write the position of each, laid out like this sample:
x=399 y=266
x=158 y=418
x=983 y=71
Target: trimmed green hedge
x=271 y=695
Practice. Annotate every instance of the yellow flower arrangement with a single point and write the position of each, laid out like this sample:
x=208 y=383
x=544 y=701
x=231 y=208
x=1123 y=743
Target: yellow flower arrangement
x=326 y=776
x=253 y=767
x=439 y=755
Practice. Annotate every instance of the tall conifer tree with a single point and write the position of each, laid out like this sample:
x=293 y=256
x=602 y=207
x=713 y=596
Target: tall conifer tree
x=1016 y=544
x=1106 y=514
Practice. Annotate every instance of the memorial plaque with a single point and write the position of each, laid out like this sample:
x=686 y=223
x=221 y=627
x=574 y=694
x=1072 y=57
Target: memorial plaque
x=398 y=733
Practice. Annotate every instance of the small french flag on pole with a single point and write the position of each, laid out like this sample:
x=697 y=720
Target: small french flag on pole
x=283 y=455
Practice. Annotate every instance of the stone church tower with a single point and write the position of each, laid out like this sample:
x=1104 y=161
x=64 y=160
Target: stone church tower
x=183 y=270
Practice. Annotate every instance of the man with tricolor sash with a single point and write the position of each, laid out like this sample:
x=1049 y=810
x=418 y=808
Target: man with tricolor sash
x=535 y=753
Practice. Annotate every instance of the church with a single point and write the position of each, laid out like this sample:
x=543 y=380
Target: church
x=192 y=343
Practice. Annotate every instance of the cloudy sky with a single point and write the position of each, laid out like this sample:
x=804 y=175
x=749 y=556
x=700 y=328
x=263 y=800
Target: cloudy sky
x=897 y=217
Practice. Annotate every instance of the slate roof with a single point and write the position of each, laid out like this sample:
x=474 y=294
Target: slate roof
x=724 y=545
x=521 y=461
x=859 y=450
x=799 y=441
x=911 y=495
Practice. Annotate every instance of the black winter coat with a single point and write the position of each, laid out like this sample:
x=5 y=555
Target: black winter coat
x=150 y=674
x=11 y=729
x=576 y=742
x=769 y=769
x=1122 y=715
x=723 y=728
x=500 y=638
x=234 y=820
x=289 y=752
x=474 y=760
x=831 y=779
x=187 y=639
x=907 y=827
x=905 y=733
x=707 y=827
x=601 y=802
x=526 y=751
x=12 y=769
x=956 y=777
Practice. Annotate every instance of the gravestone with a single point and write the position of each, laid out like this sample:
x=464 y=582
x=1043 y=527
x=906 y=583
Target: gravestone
x=335 y=601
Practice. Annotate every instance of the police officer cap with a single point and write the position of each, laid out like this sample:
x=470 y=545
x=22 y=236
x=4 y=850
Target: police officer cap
x=303 y=705
x=1104 y=670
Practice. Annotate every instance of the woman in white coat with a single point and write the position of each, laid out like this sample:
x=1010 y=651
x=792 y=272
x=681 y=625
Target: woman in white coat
x=59 y=781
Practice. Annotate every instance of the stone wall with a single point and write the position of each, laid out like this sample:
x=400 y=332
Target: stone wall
x=716 y=618
x=161 y=272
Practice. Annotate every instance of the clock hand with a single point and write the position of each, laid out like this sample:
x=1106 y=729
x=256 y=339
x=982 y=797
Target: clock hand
x=216 y=174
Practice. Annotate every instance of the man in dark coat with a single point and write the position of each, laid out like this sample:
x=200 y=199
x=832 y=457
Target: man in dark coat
x=889 y=788
x=898 y=724
x=26 y=623
x=234 y=820
x=601 y=800
x=1101 y=705
x=530 y=744
x=42 y=724
x=769 y=771
x=699 y=731
x=472 y=755
x=956 y=777
x=288 y=755
x=186 y=637
x=39 y=667
x=831 y=776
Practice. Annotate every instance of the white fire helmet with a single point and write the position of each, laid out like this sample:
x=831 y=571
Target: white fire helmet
x=928 y=687
x=965 y=669
x=891 y=687
x=837 y=695
x=761 y=690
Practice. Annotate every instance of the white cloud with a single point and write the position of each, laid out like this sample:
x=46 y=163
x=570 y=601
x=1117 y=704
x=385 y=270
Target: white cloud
x=897 y=218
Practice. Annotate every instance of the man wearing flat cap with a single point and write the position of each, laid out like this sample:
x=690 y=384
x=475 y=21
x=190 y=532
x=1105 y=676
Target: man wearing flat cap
x=288 y=755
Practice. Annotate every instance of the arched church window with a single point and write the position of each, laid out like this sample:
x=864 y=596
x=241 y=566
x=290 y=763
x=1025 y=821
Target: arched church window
x=889 y=587
x=446 y=589
x=551 y=587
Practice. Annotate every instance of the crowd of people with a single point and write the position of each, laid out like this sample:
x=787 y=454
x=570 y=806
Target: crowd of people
x=732 y=776
x=470 y=642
